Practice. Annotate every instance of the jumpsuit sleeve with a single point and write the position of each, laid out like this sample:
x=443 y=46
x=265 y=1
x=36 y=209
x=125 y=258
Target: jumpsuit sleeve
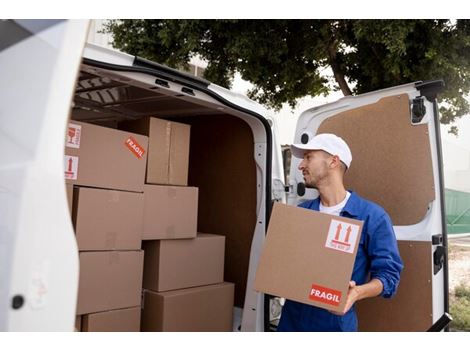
x=385 y=262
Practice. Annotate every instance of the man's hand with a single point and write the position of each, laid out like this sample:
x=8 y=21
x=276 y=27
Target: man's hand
x=353 y=295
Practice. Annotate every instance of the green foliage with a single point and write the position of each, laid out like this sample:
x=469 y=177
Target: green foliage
x=286 y=59
x=460 y=308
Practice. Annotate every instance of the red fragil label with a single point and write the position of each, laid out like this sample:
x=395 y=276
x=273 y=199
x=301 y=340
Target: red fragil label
x=134 y=147
x=325 y=295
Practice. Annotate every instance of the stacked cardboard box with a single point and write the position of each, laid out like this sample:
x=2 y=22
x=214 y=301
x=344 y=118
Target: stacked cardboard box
x=183 y=271
x=105 y=172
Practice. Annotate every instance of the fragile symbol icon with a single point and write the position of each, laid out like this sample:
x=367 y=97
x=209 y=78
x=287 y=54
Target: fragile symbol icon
x=74 y=133
x=325 y=295
x=342 y=236
x=70 y=167
x=134 y=147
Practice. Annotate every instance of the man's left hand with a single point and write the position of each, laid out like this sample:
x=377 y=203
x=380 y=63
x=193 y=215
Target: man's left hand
x=353 y=295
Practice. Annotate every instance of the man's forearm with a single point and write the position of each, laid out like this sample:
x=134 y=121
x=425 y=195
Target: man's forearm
x=371 y=289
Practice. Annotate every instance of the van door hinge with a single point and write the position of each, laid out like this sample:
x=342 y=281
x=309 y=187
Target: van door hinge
x=418 y=110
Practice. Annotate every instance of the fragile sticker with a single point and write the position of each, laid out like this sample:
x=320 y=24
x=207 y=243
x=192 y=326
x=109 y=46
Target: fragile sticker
x=342 y=236
x=74 y=133
x=70 y=167
x=325 y=295
x=134 y=147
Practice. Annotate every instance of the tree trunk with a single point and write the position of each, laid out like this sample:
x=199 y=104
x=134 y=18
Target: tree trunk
x=339 y=76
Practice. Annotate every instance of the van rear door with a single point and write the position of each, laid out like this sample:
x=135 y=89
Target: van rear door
x=39 y=61
x=394 y=137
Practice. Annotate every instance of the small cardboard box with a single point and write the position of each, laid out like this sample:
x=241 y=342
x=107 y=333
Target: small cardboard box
x=170 y=212
x=103 y=157
x=119 y=320
x=202 y=309
x=308 y=256
x=168 y=154
x=108 y=219
x=175 y=264
x=109 y=280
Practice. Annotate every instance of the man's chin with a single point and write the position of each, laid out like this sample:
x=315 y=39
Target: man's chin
x=310 y=185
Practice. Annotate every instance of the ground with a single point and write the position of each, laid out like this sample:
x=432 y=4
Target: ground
x=459 y=283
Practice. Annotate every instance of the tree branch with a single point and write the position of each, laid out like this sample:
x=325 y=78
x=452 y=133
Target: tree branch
x=339 y=75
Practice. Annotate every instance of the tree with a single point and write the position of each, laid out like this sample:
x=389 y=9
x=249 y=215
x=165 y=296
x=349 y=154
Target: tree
x=288 y=59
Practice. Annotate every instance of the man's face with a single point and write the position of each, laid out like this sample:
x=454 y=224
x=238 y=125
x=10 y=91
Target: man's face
x=314 y=167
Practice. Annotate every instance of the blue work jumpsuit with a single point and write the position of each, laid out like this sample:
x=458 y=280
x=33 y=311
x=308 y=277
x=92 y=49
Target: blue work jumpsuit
x=377 y=255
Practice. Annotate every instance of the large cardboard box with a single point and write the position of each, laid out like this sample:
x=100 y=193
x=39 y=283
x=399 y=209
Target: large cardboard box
x=168 y=154
x=308 y=256
x=120 y=320
x=204 y=308
x=109 y=280
x=175 y=264
x=104 y=157
x=108 y=219
x=170 y=212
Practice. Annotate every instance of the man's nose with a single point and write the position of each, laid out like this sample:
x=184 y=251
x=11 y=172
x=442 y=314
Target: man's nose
x=301 y=165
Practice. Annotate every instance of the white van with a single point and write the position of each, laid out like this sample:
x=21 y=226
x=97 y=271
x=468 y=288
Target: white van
x=48 y=73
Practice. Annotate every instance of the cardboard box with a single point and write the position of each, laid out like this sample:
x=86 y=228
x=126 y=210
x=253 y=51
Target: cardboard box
x=120 y=320
x=69 y=192
x=168 y=152
x=108 y=219
x=109 y=280
x=308 y=256
x=104 y=157
x=175 y=264
x=170 y=212
x=204 y=308
x=78 y=323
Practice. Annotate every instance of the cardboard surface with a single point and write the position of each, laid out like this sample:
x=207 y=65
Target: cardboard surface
x=404 y=161
x=308 y=256
x=411 y=308
x=109 y=280
x=170 y=212
x=104 y=157
x=78 y=323
x=120 y=320
x=69 y=192
x=175 y=264
x=168 y=155
x=204 y=308
x=226 y=178
x=108 y=219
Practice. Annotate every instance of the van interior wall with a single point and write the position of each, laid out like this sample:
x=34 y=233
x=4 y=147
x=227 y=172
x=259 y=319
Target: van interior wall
x=392 y=166
x=221 y=164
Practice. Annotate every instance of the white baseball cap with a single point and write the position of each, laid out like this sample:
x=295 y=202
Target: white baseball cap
x=327 y=142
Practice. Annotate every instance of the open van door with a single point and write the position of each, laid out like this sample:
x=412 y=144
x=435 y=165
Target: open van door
x=39 y=61
x=394 y=137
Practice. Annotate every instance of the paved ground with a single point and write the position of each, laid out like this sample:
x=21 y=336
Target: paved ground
x=459 y=261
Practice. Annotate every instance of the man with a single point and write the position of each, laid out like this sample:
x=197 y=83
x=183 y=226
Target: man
x=377 y=268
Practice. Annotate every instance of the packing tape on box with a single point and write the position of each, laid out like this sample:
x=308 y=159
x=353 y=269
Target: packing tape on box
x=111 y=239
x=113 y=257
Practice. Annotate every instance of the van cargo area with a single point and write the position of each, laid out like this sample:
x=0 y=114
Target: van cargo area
x=221 y=157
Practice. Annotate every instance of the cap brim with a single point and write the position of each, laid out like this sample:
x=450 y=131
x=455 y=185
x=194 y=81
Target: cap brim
x=298 y=150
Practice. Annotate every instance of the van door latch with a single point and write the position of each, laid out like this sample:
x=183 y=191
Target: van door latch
x=439 y=258
x=418 y=110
